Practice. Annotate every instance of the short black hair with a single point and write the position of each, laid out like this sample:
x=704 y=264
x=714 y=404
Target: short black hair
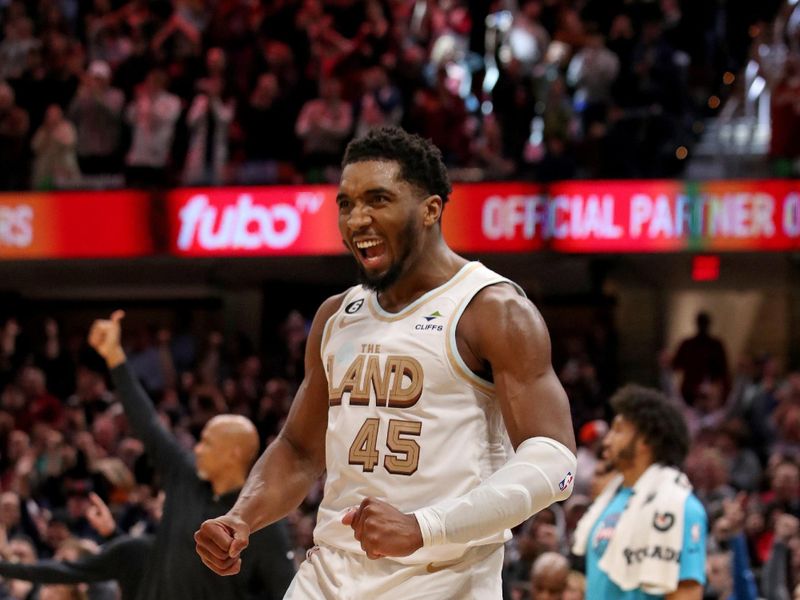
x=657 y=420
x=419 y=159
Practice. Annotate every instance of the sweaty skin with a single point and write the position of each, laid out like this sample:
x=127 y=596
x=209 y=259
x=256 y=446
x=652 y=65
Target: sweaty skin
x=375 y=205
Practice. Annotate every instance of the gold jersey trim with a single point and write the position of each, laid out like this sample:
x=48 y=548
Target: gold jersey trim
x=327 y=331
x=454 y=357
x=380 y=314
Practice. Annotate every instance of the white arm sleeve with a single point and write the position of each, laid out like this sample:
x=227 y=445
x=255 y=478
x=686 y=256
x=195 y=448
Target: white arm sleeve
x=540 y=473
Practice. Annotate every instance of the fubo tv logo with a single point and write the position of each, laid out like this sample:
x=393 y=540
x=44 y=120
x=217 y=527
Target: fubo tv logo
x=241 y=224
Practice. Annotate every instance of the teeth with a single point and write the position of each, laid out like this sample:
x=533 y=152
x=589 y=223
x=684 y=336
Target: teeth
x=367 y=244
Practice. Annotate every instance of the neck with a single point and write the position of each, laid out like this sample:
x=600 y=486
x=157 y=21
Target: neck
x=430 y=268
x=227 y=482
x=632 y=474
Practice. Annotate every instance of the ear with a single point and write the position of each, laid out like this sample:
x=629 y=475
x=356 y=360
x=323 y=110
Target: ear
x=432 y=210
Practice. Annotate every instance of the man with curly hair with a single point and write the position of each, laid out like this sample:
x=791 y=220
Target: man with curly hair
x=644 y=536
x=419 y=382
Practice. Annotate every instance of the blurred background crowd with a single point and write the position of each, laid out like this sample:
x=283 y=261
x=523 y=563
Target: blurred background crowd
x=108 y=93
x=157 y=93
x=63 y=436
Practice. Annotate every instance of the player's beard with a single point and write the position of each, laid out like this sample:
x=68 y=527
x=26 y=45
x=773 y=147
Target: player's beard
x=624 y=458
x=381 y=282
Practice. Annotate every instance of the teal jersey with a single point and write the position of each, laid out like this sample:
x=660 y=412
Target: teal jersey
x=693 y=550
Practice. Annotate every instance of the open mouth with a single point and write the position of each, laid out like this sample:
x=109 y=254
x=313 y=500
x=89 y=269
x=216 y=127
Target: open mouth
x=372 y=252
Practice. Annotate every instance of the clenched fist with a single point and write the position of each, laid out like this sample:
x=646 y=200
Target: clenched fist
x=383 y=530
x=104 y=337
x=220 y=541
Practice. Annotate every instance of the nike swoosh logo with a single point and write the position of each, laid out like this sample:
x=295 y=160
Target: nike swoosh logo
x=434 y=568
x=344 y=323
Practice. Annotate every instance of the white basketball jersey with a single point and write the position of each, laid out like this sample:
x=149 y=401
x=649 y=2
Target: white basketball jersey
x=408 y=422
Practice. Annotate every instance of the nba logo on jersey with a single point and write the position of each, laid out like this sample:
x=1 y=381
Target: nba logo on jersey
x=564 y=483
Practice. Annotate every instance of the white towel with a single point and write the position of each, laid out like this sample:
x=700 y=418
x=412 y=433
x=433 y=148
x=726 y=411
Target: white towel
x=644 y=551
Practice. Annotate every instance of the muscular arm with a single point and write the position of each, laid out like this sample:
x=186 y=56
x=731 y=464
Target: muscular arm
x=503 y=332
x=282 y=476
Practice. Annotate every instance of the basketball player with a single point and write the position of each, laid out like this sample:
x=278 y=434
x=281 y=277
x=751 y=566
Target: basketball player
x=644 y=536
x=418 y=382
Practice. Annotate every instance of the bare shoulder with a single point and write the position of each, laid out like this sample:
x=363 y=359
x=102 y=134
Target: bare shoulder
x=501 y=297
x=329 y=307
x=326 y=310
x=499 y=313
x=506 y=333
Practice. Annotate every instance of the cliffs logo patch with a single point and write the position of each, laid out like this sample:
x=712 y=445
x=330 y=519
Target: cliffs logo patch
x=564 y=483
x=354 y=306
x=430 y=324
x=663 y=521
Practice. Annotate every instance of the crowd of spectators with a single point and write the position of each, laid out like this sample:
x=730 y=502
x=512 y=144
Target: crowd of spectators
x=64 y=437
x=194 y=92
x=777 y=52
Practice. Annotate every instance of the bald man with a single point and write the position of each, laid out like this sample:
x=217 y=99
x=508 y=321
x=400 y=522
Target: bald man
x=197 y=488
x=227 y=449
x=549 y=576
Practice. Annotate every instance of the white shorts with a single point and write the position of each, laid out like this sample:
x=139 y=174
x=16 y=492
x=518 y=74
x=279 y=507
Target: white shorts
x=332 y=574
